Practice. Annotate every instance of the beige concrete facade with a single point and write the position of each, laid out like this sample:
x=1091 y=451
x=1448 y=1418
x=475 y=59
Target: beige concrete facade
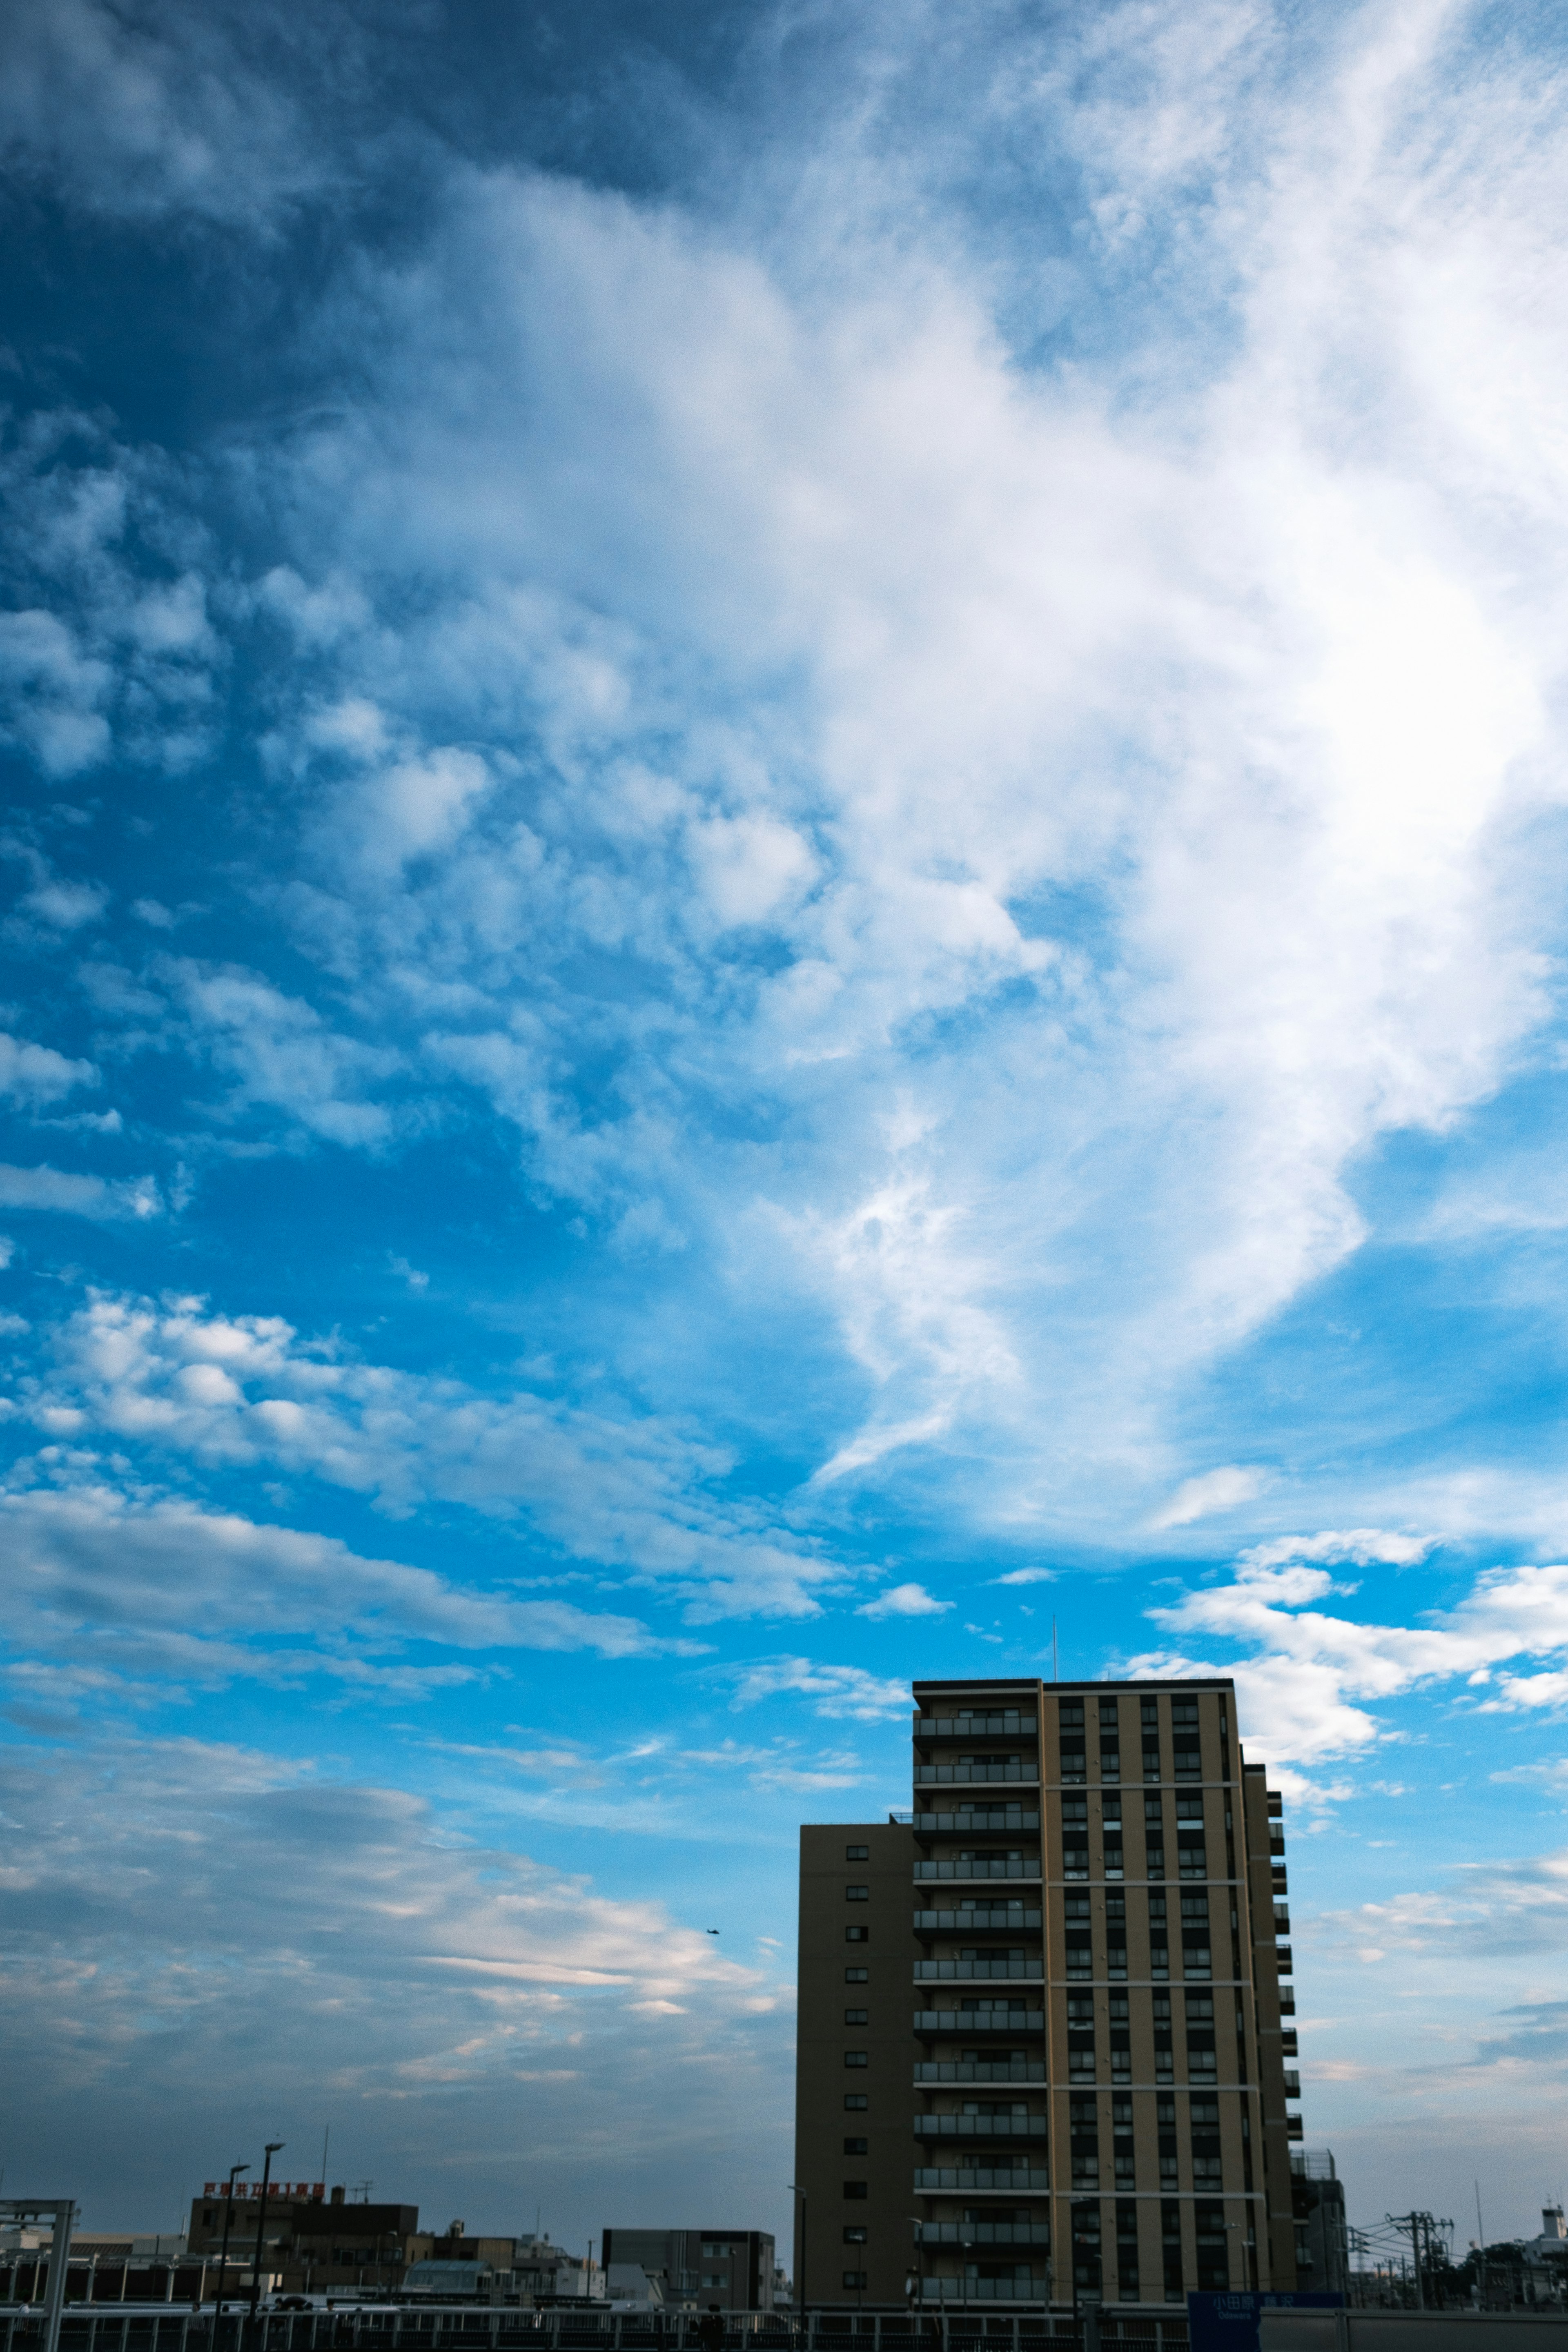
x=1043 y=2035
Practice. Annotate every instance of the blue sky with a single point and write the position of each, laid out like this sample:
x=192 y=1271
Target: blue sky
x=783 y=871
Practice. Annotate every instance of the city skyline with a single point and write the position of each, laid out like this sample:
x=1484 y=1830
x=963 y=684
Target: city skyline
x=784 y=804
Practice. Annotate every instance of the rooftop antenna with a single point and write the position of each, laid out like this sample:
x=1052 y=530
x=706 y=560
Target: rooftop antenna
x=326 y=2139
x=1056 y=1667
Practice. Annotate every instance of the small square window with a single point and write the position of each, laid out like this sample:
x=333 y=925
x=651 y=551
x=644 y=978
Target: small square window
x=855 y=2102
x=856 y=2147
x=856 y=2058
x=856 y=1976
x=857 y=2016
x=856 y=1935
x=857 y=1853
x=854 y=2188
x=853 y=2278
x=855 y=2237
x=857 y=1894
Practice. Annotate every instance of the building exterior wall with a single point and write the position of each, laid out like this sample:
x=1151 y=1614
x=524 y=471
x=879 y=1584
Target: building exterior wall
x=1073 y=2058
x=733 y=2268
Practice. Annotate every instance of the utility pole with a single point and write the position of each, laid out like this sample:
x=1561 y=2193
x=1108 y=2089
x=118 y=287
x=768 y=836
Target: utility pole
x=272 y=2148
x=233 y=2171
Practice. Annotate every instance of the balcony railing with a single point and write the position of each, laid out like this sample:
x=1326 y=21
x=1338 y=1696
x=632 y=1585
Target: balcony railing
x=980 y=2070
x=1029 y=1867
x=1292 y=2083
x=1006 y=1725
x=949 y=2292
x=979 y=2128
x=927 y=1774
x=979 y=2020
x=974 y=1971
x=982 y=2233
x=980 y=1816
x=1282 y=1919
x=977 y=1917
x=929 y=2176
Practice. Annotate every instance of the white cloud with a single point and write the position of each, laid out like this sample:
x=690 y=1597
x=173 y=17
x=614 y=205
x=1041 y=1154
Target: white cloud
x=424 y=1970
x=99 y=1197
x=1204 y=1497
x=1026 y=1575
x=904 y=1601
x=845 y=1692
x=36 y=1073
x=235 y=1391
x=206 y=1595
x=1299 y=1693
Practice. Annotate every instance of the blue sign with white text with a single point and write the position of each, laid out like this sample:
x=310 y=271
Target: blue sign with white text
x=1228 y=2322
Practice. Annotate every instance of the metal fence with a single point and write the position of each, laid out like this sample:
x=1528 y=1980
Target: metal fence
x=468 y=2328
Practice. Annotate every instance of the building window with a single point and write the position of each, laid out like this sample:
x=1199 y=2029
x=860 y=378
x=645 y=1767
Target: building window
x=857 y=1853
x=857 y=2016
x=856 y=1976
x=855 y=2103
x=855 y=2278
x=857 y=1894
x=853 y=2188
x=856 y=2147
x=856 y=2236
x=856 y=1935
x=857 y=2058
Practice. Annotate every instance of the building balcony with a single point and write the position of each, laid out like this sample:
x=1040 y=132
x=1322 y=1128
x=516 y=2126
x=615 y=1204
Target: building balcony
x=982 y=2233
x=980 y=2021
x=979 y=1816
x=1282 y=1919
x=990 y=1920
x=980 y=2070
x=980 y=2127
x=1292 y=2083
x=1286 y=1965
x=1027 y=1868
x=932 y=2178
x=974 y=1971
x=942 y=1774
x=975 y=1727
x=984 y=2290
x=1293 y=2127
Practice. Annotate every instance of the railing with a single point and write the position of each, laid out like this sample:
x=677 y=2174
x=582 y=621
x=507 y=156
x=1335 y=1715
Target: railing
x=1028 y=1868
x=981 y=2176
x=1292 y=2083
x=980 y=2070
x=979 y=1816
x=980 y=2127
x=984 y=2290
x=996 y=1916
x=979 y=2020
x=975 y=1727
x=974 y=1971
x=982 y=2233
x=925 y=1774
x=945 y=2320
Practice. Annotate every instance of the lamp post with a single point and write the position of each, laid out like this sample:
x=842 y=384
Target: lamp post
x=800 y=2266
x=272 y=2148
x=233 y=2171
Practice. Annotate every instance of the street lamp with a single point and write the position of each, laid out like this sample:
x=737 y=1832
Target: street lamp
x=233 y=2171
x=800 y=2267
x=272 y=2148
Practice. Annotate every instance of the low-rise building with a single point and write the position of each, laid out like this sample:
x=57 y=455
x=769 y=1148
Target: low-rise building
x=312 y=2242
x=731 y=2268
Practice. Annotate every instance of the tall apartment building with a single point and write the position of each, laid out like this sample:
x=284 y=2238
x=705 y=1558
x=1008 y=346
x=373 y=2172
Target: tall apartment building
x=1043 y=2034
